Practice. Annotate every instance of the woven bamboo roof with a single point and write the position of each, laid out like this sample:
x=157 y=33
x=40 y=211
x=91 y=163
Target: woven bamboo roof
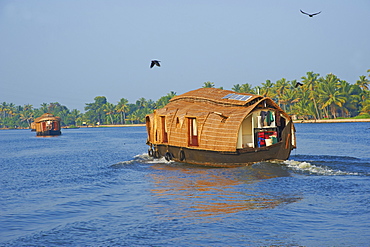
x=47 y=117
x=217 y=95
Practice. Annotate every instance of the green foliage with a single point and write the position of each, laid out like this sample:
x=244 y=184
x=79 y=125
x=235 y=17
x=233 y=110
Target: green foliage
x=319 y=97
x=208 y=84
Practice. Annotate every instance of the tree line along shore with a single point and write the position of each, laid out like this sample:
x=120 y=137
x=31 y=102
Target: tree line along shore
x=314 y=98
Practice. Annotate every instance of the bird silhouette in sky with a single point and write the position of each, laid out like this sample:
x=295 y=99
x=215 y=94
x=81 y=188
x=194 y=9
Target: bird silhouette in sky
x=298 y=84
x=154 y=62
x=310 y=15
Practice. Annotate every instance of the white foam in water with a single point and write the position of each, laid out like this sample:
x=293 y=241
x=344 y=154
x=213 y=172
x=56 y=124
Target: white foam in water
x=144 y=158
x=307 y=167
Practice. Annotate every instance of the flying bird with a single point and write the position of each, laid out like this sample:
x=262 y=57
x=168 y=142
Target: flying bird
x=298 y=84
x=310 y=15
x=154 y=62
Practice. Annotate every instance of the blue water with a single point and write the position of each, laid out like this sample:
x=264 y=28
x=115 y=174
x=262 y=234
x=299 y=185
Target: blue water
x=97 y=187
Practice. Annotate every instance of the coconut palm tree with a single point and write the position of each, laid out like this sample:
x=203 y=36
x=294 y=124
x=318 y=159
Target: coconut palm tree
x=363 y=83
x=134 y=116
x=310 y=83
x=44 y=108
x=303 y=109
x=122 y=108
x=74 y=115
x=165 y=99
x=208 y=84
x=141 y=103
x=281 y=87
x=27 y=114
x=109 y=110
x=236 y=88
x=266 y=89
x=246 y=88
x=329 y=95
x=95 y=111
x=365 y=104
x=288 y=99
x=354 y=95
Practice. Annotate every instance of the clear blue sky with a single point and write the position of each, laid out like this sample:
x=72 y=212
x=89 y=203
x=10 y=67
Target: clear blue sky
x=70 y=51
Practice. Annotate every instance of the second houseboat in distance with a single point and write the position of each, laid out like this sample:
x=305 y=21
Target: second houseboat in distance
x=47 y=125
x=216 y=127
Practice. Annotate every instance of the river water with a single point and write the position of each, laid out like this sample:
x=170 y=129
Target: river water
x=97 y=187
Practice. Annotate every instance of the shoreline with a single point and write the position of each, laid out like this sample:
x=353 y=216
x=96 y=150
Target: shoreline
x=77 y=127
x=365 y=120
x=115 y=125
x=333 y=121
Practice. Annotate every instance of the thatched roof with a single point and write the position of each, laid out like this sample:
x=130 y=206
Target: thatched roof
x=219 y=96
x=47 y=117
x=219 y=114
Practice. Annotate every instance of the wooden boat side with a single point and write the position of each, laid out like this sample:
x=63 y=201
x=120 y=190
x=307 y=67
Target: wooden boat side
x=241 y=157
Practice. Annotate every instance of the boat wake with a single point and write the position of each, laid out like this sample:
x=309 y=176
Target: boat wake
x=296 y=166
x=142 y=159
x=306 y=167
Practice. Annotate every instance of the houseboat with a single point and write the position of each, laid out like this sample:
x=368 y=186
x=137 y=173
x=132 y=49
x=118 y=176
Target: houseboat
x=215 y=127
x=47 y=125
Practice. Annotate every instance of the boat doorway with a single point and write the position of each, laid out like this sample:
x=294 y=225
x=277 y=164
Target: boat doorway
x=192 y=132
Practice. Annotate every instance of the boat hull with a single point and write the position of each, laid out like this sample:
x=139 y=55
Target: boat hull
x=243 y=157
x=49 y=133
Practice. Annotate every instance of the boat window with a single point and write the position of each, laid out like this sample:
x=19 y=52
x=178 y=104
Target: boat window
x=164 y=130
x=193 y=131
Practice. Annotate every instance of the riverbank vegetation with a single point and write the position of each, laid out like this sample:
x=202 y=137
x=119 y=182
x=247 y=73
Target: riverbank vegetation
x=320 y=97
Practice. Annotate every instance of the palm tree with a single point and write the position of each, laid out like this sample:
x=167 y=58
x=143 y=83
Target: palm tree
x=95 y=111
x=288 y=99
x=310 y=83
x=122 y=108
x=26 y=114
x=134 y=116
x=150 y=104
x=363 y=83
x=246 y=88
x=266 y=89
x=208 y=84
x=353 y=98
x=165 y=99
x=303 y=108
x=3 y=108
x=141 y=103
x=109 y=110
x=329 y=95
x=75 y=115
x=44 y=108
x=365 y=104
x=280 y=89
x=236 y=88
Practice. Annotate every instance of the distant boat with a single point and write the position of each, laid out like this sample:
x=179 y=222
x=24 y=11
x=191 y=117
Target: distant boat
x=48 y=125
x=216 y=127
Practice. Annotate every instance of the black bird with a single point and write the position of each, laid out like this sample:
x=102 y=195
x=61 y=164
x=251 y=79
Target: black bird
x=298 y=84
x=154 y=62
x=310 y=15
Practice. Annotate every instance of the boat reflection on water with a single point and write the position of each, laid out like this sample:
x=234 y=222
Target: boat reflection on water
x=199 y=191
